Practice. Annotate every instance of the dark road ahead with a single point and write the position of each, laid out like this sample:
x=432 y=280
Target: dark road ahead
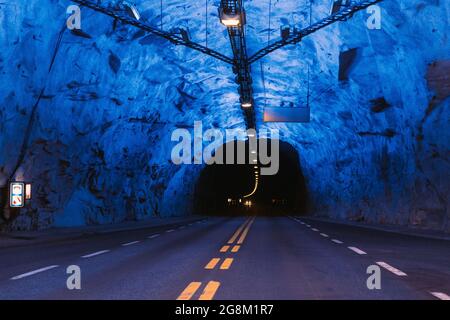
x=231 y=258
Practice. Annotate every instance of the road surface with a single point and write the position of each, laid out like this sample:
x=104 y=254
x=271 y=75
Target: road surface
x=231 y=258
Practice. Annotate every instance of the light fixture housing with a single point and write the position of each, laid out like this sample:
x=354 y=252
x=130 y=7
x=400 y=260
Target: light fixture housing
x=231 y=19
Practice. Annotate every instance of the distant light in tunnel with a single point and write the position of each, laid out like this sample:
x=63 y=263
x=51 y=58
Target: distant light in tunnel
x=253 y=151
x=254 y=160
x=246 y=105
x=229 y=200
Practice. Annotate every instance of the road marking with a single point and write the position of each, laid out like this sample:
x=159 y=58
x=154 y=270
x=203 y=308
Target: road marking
x=308 y=225
x=189 y=291
x=212 y=264
x=24 y=275
x=314 y=229
x=171 y=230
x=210 y=290
x=358 y=251
x=238 y=231
x=226 y=264
x=337 y=241
x=244 y=234
x=154 y=236
x=391 y=269
x=235 y=249
x=95 y=254
x=224 y=248
x=182 y=227
x=324 y=235
x=441 y=295
x=129 y=243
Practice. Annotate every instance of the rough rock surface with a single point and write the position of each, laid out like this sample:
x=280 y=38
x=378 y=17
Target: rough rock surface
x=105 y=101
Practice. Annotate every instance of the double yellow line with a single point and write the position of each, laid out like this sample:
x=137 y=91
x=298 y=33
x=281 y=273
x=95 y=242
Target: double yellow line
x=211 y=288
x=207 y=294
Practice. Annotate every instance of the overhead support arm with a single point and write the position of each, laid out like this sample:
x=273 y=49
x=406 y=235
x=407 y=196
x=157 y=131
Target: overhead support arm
x=232 y=15
x=296 y=37
x=176 y=39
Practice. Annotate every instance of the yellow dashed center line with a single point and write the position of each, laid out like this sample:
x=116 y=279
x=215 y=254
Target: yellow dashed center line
x=210 y=290
x=238 y=231
x=235 y=249
x=189 y=291
x=212 y=264
x=244 y=234
x=226 y=264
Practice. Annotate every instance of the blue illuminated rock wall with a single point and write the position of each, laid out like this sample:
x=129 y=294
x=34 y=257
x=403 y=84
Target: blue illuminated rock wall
x=107 y=100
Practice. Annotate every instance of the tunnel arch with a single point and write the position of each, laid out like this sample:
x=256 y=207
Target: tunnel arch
x=285 y=192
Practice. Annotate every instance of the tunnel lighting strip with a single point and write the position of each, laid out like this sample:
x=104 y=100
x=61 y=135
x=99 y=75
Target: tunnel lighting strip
x=241 y=66
x=298 y=36
x=254 y=190
x=143 y=26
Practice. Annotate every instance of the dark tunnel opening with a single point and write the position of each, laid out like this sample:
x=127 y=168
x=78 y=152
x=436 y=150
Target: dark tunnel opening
x=222 y=188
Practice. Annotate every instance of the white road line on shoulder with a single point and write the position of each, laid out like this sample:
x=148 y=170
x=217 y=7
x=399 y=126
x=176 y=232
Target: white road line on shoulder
x=391 y=269
x=95 y=254
x=129 y=243
x=441 y=295
x=153 y=236
x=24 y=275
x=355 y=249
x=314 y=229
x=308 y=225
x=171 y=230
x=324 y=235
x=337 y=241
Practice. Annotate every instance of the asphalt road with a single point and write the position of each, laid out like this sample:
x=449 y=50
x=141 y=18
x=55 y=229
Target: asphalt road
x=231 y=258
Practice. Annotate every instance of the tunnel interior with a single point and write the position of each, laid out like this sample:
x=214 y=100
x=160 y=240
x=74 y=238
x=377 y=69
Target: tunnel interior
x=223 y=189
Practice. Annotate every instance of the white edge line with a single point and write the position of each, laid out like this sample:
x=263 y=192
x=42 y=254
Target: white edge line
x=153 y=236
x=23 y=275
x=441 y=295
x=314 y=229
x=171 y=230
x=337 y=241
x=130 y=243
x=324 y=235
x=357 y=250
x=95 y=254
x=391 y=269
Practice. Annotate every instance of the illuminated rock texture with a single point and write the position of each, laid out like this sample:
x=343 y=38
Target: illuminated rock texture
x=104 y=102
